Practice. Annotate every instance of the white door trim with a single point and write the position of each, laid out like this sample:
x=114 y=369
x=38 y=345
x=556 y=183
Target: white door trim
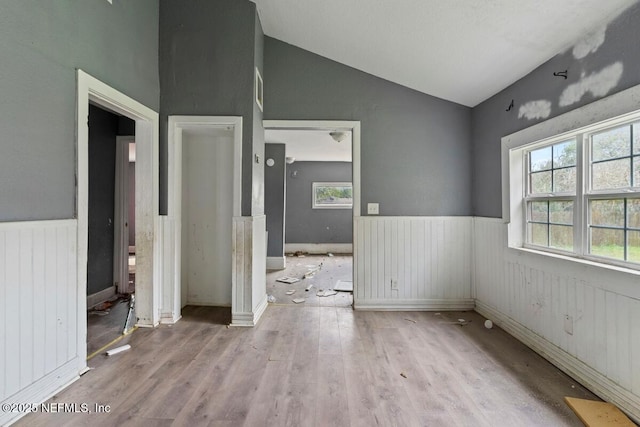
x=121 y=215
x=177 y=124
x=90 y=89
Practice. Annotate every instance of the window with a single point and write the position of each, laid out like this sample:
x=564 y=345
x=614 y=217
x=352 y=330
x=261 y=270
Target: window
x=581 y=192
x=332 y=195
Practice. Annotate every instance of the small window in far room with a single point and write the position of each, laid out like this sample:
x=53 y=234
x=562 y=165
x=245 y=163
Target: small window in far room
x=332 y=195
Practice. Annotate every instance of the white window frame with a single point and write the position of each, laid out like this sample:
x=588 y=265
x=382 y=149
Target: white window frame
x=609 y=112
x=316 y=205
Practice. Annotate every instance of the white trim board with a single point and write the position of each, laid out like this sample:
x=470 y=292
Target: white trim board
x=415 y=305
x=319 y=248
x=90 y=89
x=590 y=378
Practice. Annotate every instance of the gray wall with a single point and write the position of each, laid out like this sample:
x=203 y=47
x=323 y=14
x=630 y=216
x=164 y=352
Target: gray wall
x=103 y=128
x=415 y=149
x=42 y=44
x=490 y=121
x=305 y=224
x=208 y=52
x=274 y=199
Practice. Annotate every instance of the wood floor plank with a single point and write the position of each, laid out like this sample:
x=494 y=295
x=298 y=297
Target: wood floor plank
x=321 y=366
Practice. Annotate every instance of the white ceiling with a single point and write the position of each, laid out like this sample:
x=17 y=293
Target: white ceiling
x=311 y=145
x=464 y=51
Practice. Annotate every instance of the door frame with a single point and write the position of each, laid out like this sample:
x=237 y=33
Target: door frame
x=339 y=125
x=92 y=90
x=177 y=124
x=121 y=215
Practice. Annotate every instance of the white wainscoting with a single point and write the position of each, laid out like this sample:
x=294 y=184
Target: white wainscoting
x=169 y=269
x=249 y=270
x=535 y=297
x=429 y=257
x=39 y=306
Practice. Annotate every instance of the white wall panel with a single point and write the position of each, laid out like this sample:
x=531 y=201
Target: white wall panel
x=531 y=295
x=38 y=302
x=249 y=270
x=429 y=257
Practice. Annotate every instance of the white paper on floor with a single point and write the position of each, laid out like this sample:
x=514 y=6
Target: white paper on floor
x=288 y=280
x=298 y=300
x=327 y=293
x=344 y=286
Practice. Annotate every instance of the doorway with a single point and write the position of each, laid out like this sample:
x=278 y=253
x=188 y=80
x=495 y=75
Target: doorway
x=92 y=91
x=205 y=184
x=110 y=263
x=318 y=229
x=207 y=215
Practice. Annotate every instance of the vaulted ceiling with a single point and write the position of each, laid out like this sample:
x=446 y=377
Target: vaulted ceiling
x=463 y=51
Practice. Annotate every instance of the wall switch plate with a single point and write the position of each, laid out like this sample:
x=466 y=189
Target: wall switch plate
x=373 y=208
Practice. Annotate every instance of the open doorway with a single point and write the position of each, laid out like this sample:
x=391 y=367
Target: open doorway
x=205 y=166
x=111 y=214
x=94 y=93
x=315 y=166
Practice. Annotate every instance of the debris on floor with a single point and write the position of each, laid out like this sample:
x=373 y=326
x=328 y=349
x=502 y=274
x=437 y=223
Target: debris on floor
x=329 y=254
x=290 y=292
x=312 y=271
x=118 y=350
x=344 y=286
x=488 y=324
x=327 y=293
x=288 y=280
x=104 y=306
x=298 y=300
x=411 y=320
x=403 y=375
x=99 y=312
x=271 y=298
x=308 y=288
x=598 y=414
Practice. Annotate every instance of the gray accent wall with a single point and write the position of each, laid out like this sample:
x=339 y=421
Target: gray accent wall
x=42 y=43
x=208 y=53
x=415 y=148
x=274 y=198
x=490 y=120
x=305 y=224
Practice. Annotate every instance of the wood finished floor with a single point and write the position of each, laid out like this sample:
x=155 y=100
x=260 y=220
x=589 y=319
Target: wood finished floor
x=321 y=366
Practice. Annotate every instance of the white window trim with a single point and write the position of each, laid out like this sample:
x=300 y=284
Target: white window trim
x=314 y=205
x=615 y=109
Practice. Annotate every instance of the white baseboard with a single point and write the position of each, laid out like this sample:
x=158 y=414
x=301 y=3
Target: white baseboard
x=319 y=248
x=169 y=319
x=252 y=318
x=276 y=262
x=581 y=372
x=414 y=305
x=102 y=296
x=41 y=390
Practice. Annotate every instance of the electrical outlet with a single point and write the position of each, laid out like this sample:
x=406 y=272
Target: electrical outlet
x=394 y=285
x=568 y=324
x=373 y=208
